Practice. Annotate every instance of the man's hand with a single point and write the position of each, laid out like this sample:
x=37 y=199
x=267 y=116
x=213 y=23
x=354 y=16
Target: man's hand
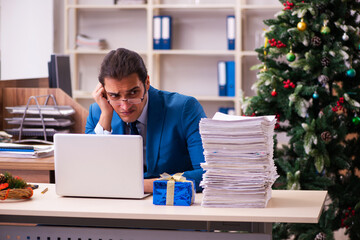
x=148 y=185
x=99 y=96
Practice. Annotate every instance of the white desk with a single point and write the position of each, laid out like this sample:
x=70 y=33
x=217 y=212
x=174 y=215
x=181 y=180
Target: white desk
x=48 y=208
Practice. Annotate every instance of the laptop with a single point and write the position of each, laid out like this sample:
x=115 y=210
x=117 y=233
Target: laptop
x=105 y=166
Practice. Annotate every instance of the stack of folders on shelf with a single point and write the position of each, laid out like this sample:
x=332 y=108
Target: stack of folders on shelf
x=226 y=78
x=56 y=119
x=25 y=151
x=162 y=32
x=86 y=42
x=230 y=32
x=240 y=169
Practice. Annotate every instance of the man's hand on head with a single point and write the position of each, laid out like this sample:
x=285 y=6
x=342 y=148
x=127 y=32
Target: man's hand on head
x=100 y=98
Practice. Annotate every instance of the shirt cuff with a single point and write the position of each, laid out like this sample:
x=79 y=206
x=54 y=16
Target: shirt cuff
x=101 y=131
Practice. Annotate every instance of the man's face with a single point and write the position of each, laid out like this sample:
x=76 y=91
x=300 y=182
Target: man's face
x=129 y=87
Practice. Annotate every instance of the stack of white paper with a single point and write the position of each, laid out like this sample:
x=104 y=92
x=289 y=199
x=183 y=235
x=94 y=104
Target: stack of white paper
x=83 y=41
x=239 y=163
x=15 y=150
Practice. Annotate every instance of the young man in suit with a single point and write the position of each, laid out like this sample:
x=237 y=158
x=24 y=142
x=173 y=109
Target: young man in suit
x=168 y=122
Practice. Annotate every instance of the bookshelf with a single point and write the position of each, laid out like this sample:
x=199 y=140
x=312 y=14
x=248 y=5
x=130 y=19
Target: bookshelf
x=198 y=43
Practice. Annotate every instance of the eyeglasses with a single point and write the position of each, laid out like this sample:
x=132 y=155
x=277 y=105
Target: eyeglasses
x=120 y=102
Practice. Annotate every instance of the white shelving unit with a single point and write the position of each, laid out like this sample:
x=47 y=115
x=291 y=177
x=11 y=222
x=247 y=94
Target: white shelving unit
x=198 y=43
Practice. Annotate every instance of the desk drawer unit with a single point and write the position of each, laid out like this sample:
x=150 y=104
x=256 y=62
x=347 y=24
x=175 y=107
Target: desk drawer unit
x=84 y=233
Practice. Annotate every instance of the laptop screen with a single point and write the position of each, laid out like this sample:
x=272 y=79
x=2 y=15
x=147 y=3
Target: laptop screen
x=88 y=165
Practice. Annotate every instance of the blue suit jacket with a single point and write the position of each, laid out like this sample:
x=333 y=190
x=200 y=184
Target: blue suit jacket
x=173 y=142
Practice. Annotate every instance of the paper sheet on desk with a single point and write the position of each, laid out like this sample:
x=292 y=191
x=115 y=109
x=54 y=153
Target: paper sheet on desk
x=40 y=151
x=225 y=117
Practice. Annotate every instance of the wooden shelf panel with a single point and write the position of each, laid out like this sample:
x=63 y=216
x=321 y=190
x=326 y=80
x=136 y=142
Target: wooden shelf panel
x=127 y=6
x=169 y=52
x=195 y=52
x=174 y=6
x=248 y=53
x=262 y=7
x=193 y=6
x=96 y=52
x=215 y=98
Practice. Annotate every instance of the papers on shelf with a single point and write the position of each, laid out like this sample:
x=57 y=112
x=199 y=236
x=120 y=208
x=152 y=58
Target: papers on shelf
x=239 y=163
x=36 y=131
x=45 y=110
x=83 y=41
x=51 y=122
x=25 y=151
x=39 y=121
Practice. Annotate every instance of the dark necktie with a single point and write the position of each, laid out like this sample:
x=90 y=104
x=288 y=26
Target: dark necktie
x=133 y=128
x=134 y=131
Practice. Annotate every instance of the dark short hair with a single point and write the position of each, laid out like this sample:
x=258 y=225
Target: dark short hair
x=121 y=63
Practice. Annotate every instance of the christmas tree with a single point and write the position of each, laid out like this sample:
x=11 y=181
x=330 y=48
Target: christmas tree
x=309 y=78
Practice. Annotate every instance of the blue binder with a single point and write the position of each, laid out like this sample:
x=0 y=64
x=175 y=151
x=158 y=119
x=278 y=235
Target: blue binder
x=223 y=110
x=166 y=30
x=227 y=110
x=230 y=31
x=222 y=78
x=230 y=78
x=157 y=32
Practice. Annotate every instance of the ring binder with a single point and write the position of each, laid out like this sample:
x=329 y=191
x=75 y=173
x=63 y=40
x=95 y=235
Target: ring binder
x=230 y=32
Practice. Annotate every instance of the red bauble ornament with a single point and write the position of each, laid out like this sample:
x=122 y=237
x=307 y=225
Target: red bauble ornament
x=274 y=93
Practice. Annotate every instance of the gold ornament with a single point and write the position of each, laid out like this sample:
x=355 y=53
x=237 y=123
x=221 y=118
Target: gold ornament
x=301 y=26
x=325 y=30
x=264 y=69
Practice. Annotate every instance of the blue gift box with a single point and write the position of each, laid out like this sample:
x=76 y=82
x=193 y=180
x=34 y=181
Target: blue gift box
x=181 y=194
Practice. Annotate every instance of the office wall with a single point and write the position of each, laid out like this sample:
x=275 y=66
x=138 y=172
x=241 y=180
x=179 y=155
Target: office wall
x=27 y=28
x=58 y=26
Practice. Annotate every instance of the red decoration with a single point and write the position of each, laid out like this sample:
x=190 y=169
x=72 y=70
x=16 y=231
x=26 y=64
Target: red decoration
x=288 y=84
x=4 y=186
x=288 y=5
x=277 y=116
x=32 y=192
x=277 y=126
x=338 y=105
x=348 y=214
x=274 y=43
x=6 y=195
x=274 y=93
